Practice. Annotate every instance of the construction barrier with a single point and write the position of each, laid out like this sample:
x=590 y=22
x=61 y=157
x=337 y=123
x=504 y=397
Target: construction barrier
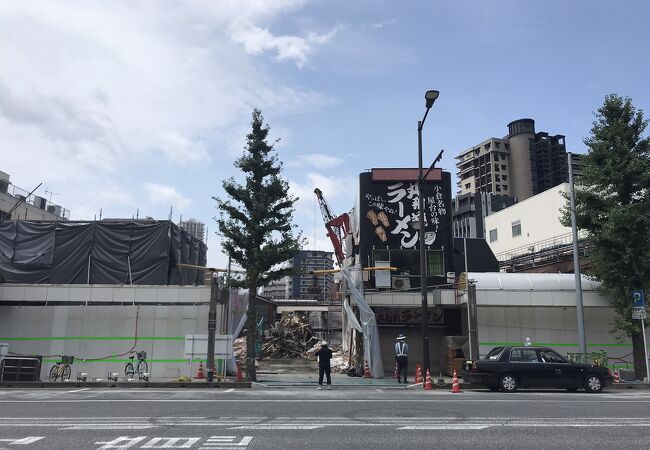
x=617 y=378
x=366 y=370
x=455 y=387
x=396 y=372
x=418 y=374
x=200 y=375
x=427 y=384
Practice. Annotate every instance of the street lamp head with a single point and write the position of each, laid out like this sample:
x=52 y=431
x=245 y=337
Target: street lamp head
x=431 y=97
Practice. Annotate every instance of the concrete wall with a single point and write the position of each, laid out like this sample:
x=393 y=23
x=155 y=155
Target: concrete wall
x=102 y=293
x=103 y=331
x=548 y=325
x=539 y=217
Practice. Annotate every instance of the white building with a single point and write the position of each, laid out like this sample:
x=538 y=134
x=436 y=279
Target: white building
x=529 y=226
x=18 y=204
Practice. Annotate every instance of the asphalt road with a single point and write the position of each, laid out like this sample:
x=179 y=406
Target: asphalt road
x=307 y=418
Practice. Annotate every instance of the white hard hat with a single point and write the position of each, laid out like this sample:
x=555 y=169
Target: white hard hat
x=324 y=343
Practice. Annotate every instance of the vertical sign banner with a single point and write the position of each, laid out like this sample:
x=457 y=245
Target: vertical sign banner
x=388 y=208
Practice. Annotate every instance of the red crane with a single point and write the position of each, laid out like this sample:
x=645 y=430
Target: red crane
x=337 y=227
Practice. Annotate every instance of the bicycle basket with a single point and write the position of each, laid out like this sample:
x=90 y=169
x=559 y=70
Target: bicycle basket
x=142 y=356
x=66 y=359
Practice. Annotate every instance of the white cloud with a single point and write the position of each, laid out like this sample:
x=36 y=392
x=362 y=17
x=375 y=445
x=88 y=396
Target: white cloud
x=167 y=195
x=316 y=160
x=182 y=150
x=257 y=40
x=382 y=24
x=92 y=94
x=339 y=193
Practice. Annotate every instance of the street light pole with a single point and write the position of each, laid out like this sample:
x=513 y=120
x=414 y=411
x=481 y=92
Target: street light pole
x=430 y=98
x=582 y=341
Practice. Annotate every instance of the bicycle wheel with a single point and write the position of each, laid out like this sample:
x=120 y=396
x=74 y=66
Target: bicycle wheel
x=128 y=371
x=54 y=373
x=66 y=373
x=143 y=368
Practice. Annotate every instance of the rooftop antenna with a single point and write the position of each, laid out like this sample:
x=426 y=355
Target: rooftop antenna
x=51 y=193
x=171 y=210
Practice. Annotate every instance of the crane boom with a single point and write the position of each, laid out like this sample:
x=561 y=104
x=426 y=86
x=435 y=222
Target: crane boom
x=337 y=227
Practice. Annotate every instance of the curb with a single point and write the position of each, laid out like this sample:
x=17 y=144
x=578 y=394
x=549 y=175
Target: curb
x=150 y=385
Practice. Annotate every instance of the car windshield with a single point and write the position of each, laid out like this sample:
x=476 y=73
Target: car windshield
x=494 y=353
x=549 y=356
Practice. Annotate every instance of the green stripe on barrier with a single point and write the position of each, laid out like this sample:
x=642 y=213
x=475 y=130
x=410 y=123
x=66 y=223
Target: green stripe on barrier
x=549 y=344
x=95 y=338
x=115 y=360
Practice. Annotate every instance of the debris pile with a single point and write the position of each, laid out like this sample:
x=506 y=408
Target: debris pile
x=290 y=337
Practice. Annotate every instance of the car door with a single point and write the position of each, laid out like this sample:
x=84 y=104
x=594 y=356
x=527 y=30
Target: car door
x=525 y=364
x=559 y=371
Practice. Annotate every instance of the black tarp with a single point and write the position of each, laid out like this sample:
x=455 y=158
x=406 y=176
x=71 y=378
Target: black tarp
x=110 y=252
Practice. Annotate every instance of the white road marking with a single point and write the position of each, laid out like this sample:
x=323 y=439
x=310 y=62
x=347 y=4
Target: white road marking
x=225 y=442
x=78 y=390
x=229 y=390
x=24 y=441
x=167 y=442
x=445 y=427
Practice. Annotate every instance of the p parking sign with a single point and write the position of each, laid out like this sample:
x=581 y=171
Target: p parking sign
x=639 y=300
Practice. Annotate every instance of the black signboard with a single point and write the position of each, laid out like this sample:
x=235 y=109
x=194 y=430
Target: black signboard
x=407 y=316
x=389 y=208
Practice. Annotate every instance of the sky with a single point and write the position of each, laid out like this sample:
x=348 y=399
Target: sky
x=142 y=107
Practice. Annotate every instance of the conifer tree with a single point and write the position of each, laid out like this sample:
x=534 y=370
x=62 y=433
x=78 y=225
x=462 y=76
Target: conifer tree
x=256 y=223
x=613 y=205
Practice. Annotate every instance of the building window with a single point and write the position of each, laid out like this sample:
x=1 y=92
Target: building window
x=496 y=167
x=467 y=185
x=434 y=263
x=504 y=177
x=497 y=144
x=498 y=188
x=497 y=178
x=504 y=167
x=507 y=146
x=505 y=187
x=516 y=228
x=493 y=235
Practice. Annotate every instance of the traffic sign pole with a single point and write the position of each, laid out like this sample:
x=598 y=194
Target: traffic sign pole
x=639 y=313
x=645 y=352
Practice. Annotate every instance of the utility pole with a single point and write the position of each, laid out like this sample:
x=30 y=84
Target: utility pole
x=576 y=262
x=212 y=324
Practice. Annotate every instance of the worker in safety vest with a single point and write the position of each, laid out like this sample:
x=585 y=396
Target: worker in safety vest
x=401 y=355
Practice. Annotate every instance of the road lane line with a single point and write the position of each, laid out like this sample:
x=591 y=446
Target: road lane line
x=78 y=390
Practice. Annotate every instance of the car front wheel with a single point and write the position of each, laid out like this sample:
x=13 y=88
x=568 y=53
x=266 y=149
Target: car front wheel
x=593 y=383
x=508 y=383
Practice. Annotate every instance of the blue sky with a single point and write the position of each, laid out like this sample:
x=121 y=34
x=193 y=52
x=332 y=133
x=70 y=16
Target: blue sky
x=146 y=105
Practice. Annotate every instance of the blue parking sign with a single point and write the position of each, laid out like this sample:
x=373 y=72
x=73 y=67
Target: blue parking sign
x=639 y=301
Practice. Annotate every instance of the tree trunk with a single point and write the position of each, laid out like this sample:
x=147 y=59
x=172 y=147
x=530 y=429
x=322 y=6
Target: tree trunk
x=638 y=354
x=251 y=333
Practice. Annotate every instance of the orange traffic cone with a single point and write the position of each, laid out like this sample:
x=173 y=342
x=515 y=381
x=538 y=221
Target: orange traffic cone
x=366 y=370
x=240 y=377
x=395 y=372
x=617 y=378
x=427 y=384
x=418 y=374
x=455 y=387
x=200 y=375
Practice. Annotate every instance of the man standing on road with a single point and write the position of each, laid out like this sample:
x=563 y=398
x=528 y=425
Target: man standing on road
x=401 y=355
x=324 y=355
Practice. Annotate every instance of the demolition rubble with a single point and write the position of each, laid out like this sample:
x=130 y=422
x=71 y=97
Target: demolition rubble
x=289 y=337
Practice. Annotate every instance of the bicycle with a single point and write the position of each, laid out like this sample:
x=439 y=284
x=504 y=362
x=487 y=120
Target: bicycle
x=61 y=371
x=142 y=368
